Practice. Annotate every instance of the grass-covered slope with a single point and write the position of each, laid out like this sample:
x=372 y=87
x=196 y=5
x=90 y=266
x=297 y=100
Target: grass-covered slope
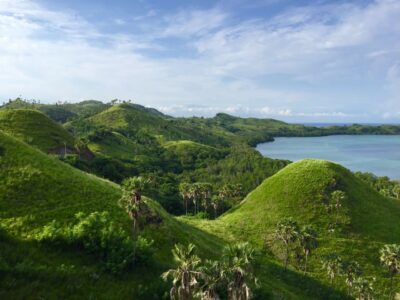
x=35 y=128
x=193 y=155
x=366 y=222
x=36 y=189
x=301 y=190
x=130 y=118
x=33 y=184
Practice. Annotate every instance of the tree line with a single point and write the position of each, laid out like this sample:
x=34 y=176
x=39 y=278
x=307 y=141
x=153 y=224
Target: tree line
x=199 y=197
x=193 y=278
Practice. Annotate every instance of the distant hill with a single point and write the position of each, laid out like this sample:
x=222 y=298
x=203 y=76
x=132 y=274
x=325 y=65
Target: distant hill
x=35 y=128
x=193 y=155
x=133 y=118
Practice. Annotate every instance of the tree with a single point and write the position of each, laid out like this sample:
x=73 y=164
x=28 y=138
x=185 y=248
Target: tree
x=308 y=242
x=332 y=264
x=132 y=197
x=390 y=258
x=195 y=194
x=215 y=202
x=337 y=198
x=184 y=276
x=238 y=270
x=210 y=277
x=287 y=232
x=396 y=191
x=205 y=194
x=364 y=289
x=80 y=144
x=184 y=189
x=351 y=270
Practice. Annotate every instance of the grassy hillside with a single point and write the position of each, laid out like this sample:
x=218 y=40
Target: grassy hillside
x=130 y=117
x=301 y=191
x=60 y=112
x=193 y=155
x=35 y=128
x=36 y=189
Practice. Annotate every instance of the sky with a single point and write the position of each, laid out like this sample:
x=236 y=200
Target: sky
x=300 y=61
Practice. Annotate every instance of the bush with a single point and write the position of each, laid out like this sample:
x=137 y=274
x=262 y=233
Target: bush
x=144 y=250
x=52 y=232
x=202 y=215
x=97 y=234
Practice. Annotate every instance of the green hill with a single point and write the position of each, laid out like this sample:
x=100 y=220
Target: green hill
x=193 y=155
x=60 y=112
x=301 y=191
x=36 y=189
x=36 y=129
x=130 y=118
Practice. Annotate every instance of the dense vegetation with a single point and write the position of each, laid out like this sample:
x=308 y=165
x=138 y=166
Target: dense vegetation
x=306 y=230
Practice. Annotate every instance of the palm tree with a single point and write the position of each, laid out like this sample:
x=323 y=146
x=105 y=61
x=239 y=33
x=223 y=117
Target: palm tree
x=287 y=232
x=352 y=271
x=390 y=257
x=131 y=199
x=194 y=192
x=210 y=277
x=137 y=185
x=184 y=276
x=364 y=289
x=238 y=263
x=215 y=202
x=337 y=198
x=184 y=189
x=308 y=242
x=205 y=194
x=332 y=264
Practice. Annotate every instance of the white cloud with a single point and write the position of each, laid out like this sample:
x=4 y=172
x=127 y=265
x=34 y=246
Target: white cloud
x=195 y=22
x=246 y=111
x=120 y=21
x=227 y=64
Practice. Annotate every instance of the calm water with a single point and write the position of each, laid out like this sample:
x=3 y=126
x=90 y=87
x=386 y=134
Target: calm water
x=379 y=154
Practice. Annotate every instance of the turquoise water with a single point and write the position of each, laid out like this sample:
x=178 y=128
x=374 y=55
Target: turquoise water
x=379 y=154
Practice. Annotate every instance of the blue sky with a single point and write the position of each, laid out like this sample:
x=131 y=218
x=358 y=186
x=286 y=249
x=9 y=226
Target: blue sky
x=308 y=61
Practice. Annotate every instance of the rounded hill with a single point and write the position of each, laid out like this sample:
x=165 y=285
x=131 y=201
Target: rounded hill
x=36 y=129
x=303 y=189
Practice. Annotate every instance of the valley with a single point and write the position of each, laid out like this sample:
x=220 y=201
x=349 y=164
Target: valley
x=95 y=196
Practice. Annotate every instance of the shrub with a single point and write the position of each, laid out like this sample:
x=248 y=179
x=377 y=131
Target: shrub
x=52 y=232
x=144 y=250
x=97 y=234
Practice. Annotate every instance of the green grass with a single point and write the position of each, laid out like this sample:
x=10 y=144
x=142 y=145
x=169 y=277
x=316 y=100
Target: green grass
x=35 y=128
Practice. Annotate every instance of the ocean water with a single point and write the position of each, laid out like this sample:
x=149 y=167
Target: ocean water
x=379 y=154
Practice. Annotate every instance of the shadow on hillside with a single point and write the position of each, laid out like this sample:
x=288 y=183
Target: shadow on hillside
x=208 y=244
x=29 y=270
x=305 y=285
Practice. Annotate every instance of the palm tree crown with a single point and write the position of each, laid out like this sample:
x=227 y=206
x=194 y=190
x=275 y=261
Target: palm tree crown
x=238 y=261
x=184 y=276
